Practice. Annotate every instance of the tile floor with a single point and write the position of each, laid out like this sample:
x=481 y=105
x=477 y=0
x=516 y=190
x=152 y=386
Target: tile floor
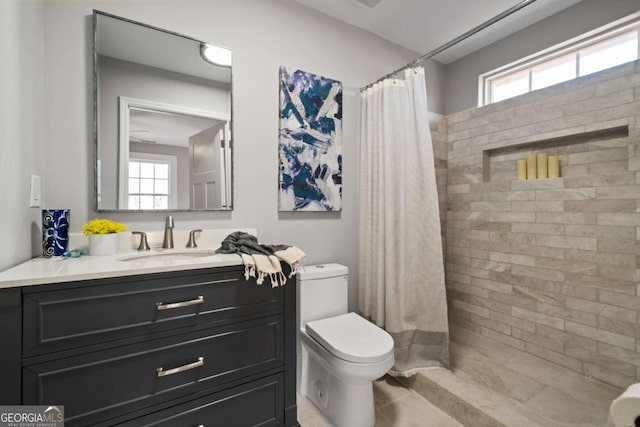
x=490 y=385
x=493 y=385
x=396 y=405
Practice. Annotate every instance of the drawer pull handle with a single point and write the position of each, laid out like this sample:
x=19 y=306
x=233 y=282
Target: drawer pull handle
x=162 y=373
x=163 y=306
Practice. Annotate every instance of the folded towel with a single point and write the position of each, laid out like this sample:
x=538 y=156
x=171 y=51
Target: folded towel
x=262 y=260
x=292 y=256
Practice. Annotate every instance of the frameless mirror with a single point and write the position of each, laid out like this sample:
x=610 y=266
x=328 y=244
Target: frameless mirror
x=162 y=111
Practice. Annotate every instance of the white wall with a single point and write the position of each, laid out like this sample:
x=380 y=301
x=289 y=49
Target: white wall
x=263 y=34
x=435 y=79
x=462 y=75
x=21 y=128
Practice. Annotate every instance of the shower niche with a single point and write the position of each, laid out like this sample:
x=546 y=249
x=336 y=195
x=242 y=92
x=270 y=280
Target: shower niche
x=585 y=151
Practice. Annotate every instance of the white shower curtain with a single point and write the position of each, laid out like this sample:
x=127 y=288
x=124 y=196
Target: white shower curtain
x=401 y=276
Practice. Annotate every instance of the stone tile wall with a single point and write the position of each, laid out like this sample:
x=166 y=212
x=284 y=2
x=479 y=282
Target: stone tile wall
x=551 y=266
x=438 y=125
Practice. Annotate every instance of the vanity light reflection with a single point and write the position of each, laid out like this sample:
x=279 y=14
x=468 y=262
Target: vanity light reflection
x=216 y=55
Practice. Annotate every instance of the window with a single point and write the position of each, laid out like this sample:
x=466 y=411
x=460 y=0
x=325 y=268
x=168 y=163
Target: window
x=149 y=182
x=554 y=71
x=609 y=53
x=509 y=86
x=560 y=64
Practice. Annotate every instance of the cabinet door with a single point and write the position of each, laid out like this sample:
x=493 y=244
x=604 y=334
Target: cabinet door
x=256 y=403
x=100 y=385
x=107 y=311
x=10 y=357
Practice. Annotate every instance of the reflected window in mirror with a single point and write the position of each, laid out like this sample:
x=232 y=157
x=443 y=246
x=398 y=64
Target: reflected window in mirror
x=150 y=181
x=163 y=122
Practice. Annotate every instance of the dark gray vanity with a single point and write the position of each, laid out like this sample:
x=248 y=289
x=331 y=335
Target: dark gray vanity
x=198 y=347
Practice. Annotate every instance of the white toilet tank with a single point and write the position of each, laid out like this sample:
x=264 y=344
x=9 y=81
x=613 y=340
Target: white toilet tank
x=323 y=292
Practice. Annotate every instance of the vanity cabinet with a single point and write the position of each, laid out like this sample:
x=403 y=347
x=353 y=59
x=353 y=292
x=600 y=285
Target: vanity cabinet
x=184 y=348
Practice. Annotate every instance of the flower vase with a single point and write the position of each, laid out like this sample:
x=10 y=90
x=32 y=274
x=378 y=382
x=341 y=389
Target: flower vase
x=103 y=244
x=55 y=232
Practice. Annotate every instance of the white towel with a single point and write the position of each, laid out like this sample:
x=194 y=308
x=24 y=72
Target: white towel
x=261 y=266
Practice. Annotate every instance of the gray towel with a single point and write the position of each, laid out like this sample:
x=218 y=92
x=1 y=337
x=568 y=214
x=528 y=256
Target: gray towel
x=240 y=242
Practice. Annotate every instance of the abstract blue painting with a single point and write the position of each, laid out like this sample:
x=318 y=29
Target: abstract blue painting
x=310 y=142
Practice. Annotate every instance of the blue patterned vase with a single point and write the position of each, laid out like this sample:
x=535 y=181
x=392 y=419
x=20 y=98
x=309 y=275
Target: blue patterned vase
x=55 y=232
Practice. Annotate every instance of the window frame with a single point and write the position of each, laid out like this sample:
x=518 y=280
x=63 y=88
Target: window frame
x=172 y=161
x=572 y=46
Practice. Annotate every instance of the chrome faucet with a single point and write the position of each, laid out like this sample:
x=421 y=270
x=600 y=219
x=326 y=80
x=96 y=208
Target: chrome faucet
x=167 y=242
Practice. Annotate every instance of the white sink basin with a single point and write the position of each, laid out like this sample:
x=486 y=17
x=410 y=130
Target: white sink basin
x=169 y=255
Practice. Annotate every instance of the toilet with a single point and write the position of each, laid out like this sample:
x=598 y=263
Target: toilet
x=340 y=354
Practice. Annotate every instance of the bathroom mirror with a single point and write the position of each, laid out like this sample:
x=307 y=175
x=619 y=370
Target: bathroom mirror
x=163 y=123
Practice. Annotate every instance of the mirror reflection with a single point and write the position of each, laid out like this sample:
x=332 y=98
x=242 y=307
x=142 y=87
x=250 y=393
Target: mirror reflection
x=163 y=119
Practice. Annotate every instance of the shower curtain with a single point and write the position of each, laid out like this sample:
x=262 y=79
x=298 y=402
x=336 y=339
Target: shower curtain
x=401 y=276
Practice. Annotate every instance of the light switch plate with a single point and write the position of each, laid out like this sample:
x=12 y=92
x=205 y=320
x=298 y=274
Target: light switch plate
x=34 y=198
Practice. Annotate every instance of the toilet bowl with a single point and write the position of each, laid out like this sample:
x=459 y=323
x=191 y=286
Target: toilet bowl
x=340 y=353
x=625 y=410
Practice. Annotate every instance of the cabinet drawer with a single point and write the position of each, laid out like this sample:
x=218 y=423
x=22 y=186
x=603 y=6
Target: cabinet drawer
x=93 y=386
x=101 y=311
x=259 y=402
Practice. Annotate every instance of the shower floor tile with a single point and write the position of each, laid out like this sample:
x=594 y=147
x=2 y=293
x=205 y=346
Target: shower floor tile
x=493 y=385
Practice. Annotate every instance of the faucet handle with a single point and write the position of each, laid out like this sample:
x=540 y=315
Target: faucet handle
x=192 y=238
x=169 y=222
x=144 y=244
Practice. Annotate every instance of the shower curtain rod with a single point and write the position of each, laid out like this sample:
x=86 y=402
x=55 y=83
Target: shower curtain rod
x=455 y=41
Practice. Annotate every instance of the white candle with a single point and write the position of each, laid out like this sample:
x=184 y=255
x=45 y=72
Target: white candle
x=522 y=169
x=542 y=165
x=532 y=172
x=554 y=167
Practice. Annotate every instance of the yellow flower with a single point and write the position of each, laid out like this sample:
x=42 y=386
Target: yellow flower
x=102 y=226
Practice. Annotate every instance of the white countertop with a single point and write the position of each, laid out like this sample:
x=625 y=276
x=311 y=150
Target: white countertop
x=39 y=271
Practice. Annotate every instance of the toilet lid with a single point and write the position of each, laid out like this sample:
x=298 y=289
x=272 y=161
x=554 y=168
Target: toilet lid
x=350 y=337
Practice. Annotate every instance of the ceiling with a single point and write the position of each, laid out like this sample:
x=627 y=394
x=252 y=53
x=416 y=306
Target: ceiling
x=128 y=41
x=157 y=127
x=423 y=25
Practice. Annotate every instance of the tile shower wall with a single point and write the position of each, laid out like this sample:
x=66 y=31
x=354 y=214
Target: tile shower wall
x=438 y=125
x=551 y=266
